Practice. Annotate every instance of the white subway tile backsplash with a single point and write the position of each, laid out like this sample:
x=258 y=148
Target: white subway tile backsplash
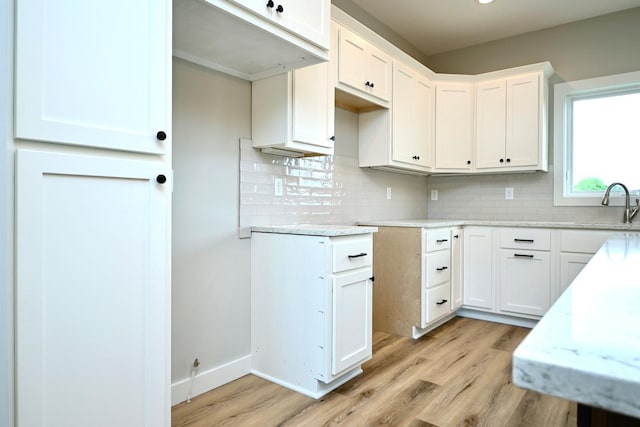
x=322 y=190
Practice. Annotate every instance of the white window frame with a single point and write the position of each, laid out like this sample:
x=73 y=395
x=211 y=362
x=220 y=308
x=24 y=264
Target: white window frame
x=564 y=93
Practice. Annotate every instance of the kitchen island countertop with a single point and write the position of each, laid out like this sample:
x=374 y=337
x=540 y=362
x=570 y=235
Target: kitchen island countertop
x=587 y=347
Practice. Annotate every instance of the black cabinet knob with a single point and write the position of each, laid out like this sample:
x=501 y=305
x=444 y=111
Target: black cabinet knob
x=333 y=138
x=161 y=179
x=371 y=85
x=416 y=157
x=372 y=278
x=270 y=4
x=367 y=84
x=508 y=160
x=501 y=160
x=161 y=135
x=468 y=162
x=279 y=9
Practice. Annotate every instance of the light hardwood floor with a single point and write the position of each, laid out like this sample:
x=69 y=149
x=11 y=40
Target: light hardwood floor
x=457 y=375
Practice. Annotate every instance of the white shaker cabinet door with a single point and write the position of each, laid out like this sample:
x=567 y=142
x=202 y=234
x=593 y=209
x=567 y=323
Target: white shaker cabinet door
x=92 y=292
x=352 y=304
x=94 y=73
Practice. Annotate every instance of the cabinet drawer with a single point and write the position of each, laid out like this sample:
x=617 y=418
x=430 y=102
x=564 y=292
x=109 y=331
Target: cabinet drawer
x=587 y=242
x=437 y=268
x=525 y=238
x=436 y=302
x=436 y=240
x=349 y=252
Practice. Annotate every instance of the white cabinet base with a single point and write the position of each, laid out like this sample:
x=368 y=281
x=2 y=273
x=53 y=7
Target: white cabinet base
x=315 y=389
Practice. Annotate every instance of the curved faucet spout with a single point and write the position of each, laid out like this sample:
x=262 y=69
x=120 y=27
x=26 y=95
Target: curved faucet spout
x=628 y=212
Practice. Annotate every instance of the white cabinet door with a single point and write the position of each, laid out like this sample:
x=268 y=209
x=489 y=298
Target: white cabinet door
x=478 y=267
x=307 y=19
x=352 y=303
x=313 y=106
x=412 y=120
x=491 y=124
x=92 y=289
x=570 y=266
x=457 y=248
x=363 y=67
x=523 y=120
x=94 y=73
x=525 y=285
x=294 y=111
x=454 y=131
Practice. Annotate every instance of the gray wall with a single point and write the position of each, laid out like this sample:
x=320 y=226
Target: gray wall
x=210 y=280
x=348 y=7
x=594 y=47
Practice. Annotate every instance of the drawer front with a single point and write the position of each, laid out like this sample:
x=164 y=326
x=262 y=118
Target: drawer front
x=525 y=238
x=349 y=252
x=437 y=268
x=436 y=303
x=587 y=242
x=436 y=240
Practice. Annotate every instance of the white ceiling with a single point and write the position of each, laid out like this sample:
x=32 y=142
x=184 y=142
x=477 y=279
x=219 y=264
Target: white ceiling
x=435 y=26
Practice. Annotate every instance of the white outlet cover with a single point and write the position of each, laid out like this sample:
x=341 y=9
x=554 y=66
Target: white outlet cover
x=434 y=194
x=508 y=193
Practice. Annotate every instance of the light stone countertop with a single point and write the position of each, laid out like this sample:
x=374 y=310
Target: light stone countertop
x=315 y=229
x=435 y=223
x=587 y=347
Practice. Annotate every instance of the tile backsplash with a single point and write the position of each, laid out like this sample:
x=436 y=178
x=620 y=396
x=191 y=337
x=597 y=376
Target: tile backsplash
x=482 y=197
x=277 y=190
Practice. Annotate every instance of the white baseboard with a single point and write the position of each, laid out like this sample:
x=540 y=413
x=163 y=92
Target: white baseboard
x=208 y=380
x=499 y=318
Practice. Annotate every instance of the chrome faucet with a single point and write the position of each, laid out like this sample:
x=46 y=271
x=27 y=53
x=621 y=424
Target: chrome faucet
x=628 y=212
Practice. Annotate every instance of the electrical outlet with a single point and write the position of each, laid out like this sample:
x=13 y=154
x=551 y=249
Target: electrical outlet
x=388 y=193
x=508 y=193
x=277 y=187
x=434 y=194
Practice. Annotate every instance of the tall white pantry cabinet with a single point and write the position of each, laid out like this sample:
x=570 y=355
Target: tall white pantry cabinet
x=92 y=213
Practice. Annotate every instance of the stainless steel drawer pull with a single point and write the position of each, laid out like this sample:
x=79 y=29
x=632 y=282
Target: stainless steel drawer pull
x=442 y=268
x=361 y=254
x=523 y=240
x=442 y=240
x=442 y=301
x=523 y=256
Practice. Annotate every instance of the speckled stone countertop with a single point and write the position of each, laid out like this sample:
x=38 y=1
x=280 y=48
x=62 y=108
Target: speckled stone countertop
x=435 y=223
x=315 y=229
x=587 y=347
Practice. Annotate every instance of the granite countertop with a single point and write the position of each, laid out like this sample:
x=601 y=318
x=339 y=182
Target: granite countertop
x=315 y=229
x=435 y=223
x=587 y=347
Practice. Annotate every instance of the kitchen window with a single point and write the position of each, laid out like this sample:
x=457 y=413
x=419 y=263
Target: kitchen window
x=596 y=138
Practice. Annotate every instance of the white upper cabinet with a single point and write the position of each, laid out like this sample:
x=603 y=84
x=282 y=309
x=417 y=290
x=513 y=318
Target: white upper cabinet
x=80 y=82
x=252 y=39
x=363 y=69
x=509 y=124
x=491 y=113
x=454 y=127
x=308 y=19
x=293 y=113
x=412 y=118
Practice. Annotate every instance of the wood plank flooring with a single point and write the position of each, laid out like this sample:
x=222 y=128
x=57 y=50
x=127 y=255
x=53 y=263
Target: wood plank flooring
x=457 y=375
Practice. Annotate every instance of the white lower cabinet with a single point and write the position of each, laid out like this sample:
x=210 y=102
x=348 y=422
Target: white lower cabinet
x=524 y=264
x=577 y=247
x=457 y=261
x=478 y=267
x=311 y=309
x=92 y=291
x=524 y=281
